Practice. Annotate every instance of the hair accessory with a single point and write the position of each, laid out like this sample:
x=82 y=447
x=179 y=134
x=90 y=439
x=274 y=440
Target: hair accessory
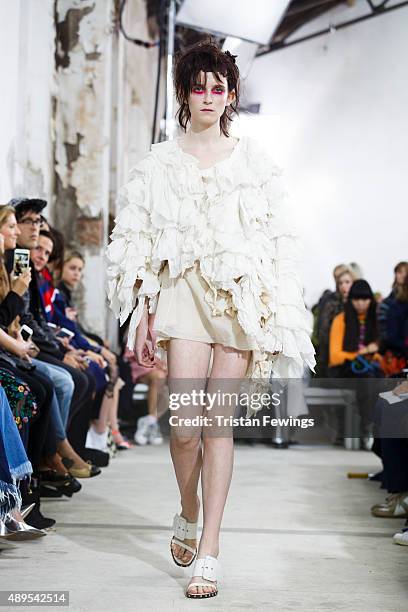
x=232 y=57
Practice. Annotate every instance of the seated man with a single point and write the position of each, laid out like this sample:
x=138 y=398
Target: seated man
x=52 y=352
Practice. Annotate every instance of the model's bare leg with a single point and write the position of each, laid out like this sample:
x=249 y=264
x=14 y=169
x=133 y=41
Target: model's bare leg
x=229 y=365
x=187 y=363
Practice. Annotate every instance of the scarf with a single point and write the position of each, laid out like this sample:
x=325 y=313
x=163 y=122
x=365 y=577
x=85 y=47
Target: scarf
x=47 y=292
x=14 y=463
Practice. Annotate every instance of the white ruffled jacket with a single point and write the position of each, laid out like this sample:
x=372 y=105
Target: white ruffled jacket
x=232 y=219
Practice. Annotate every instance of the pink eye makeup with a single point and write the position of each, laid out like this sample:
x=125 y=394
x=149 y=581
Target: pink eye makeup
x=199 y=89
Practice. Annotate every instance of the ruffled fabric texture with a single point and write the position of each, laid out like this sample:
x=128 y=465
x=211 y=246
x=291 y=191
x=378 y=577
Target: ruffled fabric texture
x=232 y=218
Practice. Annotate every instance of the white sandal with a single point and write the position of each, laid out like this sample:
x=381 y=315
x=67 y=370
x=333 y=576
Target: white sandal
x=183 y=530
x=207 y=568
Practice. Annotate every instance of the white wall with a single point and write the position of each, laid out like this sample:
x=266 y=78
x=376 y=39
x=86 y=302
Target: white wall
x=26 y=69
x=335 y=113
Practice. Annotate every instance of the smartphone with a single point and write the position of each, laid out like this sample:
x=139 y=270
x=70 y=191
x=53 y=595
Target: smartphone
x=52 y=325
x=21 y=261
x=65 y=333
x=26 y=332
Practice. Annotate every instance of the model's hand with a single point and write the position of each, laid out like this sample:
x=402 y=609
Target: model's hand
x=144 y=343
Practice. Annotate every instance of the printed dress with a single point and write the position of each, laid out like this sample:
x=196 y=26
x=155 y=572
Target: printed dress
x=217 y=254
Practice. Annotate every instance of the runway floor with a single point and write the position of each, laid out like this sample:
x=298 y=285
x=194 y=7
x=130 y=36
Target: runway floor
x=297 y=535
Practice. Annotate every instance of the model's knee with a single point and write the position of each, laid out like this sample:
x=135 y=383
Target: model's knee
x=185 y=443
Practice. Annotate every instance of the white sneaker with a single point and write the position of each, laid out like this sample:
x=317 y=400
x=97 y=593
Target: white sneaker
x=97 y=441
x=142 y=432
x=154 y=435
x=401 y=537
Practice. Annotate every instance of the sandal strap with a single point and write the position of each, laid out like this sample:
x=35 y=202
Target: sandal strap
x=201 y=584
x=183 y=529
x=181 y=543
x=206 y=567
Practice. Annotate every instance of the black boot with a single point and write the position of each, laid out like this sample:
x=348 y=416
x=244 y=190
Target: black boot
x=30 y=493
x=95 y=456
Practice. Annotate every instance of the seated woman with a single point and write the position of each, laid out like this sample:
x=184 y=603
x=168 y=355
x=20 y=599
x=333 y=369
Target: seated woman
x=16 y=358
x=344 y=278
x=14 y=468
x=393 y=323
x=107 y=388
x=353 y=336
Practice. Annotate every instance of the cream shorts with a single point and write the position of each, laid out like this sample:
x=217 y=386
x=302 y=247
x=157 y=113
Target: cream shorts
x=182 y=312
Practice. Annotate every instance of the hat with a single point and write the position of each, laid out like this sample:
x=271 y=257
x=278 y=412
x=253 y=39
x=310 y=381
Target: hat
x=22 y=205
x=360 y=290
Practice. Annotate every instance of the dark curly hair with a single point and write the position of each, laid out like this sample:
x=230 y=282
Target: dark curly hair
x=208 y=57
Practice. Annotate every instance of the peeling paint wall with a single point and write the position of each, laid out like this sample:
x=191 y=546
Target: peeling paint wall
x=137 y=80
x=133 y=86
x=76 y=113
x=27 y=67
x=82 y=108
x=82 y=126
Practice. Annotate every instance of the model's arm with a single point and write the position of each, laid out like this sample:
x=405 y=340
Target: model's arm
x=289 y=323
x=132 y=277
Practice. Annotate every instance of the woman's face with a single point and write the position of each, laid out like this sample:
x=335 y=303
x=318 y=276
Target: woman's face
x=207 y=102
x=361 y=306
x=72 y=271
x=41 y=253
x=400 y=275
x=10 y=231
x=344 y=283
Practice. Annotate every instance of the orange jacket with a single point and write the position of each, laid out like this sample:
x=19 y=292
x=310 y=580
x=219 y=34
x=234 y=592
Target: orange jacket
x=336 y=354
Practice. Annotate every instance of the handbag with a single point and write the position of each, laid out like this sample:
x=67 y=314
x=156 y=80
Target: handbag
x=368 y=368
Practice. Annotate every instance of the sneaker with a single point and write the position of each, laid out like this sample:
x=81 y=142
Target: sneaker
x=396 y=507
x=401 y=537
x=154 y=435
x=142 y=432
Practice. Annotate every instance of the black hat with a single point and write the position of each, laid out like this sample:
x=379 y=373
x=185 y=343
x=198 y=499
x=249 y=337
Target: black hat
x=360 y=290
x=22 y=205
